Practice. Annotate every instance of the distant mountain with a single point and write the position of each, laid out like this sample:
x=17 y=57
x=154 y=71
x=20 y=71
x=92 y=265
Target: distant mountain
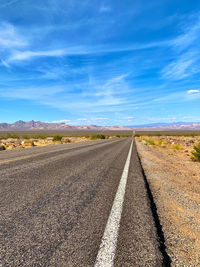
x=38 y=125
x=41 y=126
x=169 y=126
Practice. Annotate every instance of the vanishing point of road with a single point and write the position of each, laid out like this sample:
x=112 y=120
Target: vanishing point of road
x=83 y=204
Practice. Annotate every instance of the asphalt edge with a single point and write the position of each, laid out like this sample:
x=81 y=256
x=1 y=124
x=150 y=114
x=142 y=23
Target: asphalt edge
x=161 y=239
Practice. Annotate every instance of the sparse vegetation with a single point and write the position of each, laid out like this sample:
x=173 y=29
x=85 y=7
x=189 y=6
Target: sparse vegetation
x=25 y=137
x=180 y=146
x=160 y=142
x=57 y=138
x=21 y=139
x=12 y=135
x=176 y=147
x=186 y=133
x=50 y=133
x=98 y=136
x=151 y=142
x=196 y=153
x=2 y=147
x=147 y=141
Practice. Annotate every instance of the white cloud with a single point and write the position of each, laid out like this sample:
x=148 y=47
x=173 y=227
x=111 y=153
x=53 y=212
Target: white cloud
x=193 y=92
x=25 y=55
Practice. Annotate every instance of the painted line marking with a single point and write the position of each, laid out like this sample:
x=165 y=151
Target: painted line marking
x=15 y=159
x=106 y=253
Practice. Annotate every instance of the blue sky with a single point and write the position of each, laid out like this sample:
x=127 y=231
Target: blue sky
x=100 y=62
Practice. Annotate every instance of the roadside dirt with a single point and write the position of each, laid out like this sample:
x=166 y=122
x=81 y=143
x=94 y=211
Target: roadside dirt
x=175 y=184
x=16 y=143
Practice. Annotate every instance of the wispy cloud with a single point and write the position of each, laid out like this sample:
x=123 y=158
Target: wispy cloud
x=86 y=61
x=20 y=44
x=179 y=97
x=63 y=97
x=25 y=55
x=182 y=67
x=192 y=92
x=5 y=64
x=186 y=60
x=190 y=34
x=84 y=50
x=61 y=121
x=32 y=93
x=10 y=37
x=129 y=117
x=82 y=121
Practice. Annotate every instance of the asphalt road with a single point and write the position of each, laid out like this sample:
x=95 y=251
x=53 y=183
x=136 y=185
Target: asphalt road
x=55 y=202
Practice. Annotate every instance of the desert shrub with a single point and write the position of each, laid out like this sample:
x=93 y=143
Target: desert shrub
x=196 y=153
x=26 y=137
x=150 y=142
x=2 y=147
x=160 y=141
x=176 y=147
x=118 y=136
x=41 y=136
x=57 y=138
x=98 y=136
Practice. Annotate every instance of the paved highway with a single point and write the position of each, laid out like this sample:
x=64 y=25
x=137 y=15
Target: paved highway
x=60 y=206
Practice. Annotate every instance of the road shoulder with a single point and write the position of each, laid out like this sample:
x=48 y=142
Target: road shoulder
x=174 y=183
x=137 y=241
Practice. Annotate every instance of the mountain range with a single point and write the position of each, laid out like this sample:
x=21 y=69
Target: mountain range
x=38 y=125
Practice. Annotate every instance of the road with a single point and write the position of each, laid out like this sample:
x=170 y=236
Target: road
x=55 y=202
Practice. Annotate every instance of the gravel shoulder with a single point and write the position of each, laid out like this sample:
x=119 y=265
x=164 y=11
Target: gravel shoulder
x=175 y=184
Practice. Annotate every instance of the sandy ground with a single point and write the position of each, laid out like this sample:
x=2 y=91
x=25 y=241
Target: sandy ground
x=175 y=183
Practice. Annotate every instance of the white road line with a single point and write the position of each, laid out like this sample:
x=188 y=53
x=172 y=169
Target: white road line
x=106 y=254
